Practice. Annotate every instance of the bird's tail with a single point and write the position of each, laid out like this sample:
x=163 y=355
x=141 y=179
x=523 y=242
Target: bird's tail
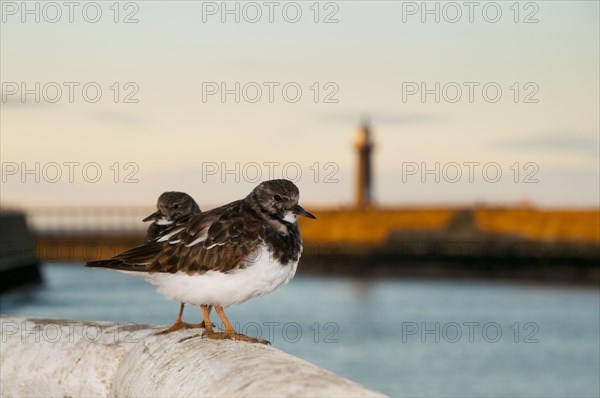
x=136 y=259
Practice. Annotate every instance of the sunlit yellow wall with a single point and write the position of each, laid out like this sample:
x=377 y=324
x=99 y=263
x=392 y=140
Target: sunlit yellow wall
x=351 y=226
x=581 y=226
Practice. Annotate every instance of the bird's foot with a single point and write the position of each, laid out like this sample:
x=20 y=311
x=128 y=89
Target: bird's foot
x=181 y=325
x=233 y=336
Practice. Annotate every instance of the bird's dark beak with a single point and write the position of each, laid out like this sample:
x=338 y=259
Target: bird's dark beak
x=154 y=216
x=298 y=210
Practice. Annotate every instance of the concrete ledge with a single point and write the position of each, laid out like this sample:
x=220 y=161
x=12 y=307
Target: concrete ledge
x=52 y=357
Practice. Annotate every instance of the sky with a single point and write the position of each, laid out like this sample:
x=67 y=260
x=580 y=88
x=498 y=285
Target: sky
x=113 y=103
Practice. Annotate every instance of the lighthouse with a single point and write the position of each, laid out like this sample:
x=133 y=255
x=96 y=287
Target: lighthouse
x=364 y=174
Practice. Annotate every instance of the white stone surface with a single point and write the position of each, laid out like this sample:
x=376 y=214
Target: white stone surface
x=54 y=357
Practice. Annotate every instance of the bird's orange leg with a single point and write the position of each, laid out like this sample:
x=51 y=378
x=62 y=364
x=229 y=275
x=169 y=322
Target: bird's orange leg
x=179 y=324
x=230 y=332
x=223 y=317
x=209 y=307
x=206 y=316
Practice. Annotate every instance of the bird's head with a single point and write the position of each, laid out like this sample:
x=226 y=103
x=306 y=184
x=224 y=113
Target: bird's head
x=173 y=206
x=278 y=199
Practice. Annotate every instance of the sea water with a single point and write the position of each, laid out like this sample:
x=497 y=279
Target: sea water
x=443 y=338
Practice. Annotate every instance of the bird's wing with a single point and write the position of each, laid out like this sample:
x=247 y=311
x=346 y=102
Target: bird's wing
x=216 y=240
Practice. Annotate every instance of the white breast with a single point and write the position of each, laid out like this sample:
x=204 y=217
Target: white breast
x=262 y=275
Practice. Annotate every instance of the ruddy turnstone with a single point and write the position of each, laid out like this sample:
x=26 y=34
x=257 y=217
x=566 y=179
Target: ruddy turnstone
x=245 y=249
x=172 y=207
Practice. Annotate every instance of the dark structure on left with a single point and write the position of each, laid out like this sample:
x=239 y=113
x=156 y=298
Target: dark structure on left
x=18 y=261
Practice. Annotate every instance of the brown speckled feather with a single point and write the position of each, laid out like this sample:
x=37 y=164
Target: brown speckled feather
x=219 y=240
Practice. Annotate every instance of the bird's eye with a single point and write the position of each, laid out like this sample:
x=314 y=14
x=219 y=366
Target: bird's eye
x=277 y=198
x=176 y=205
